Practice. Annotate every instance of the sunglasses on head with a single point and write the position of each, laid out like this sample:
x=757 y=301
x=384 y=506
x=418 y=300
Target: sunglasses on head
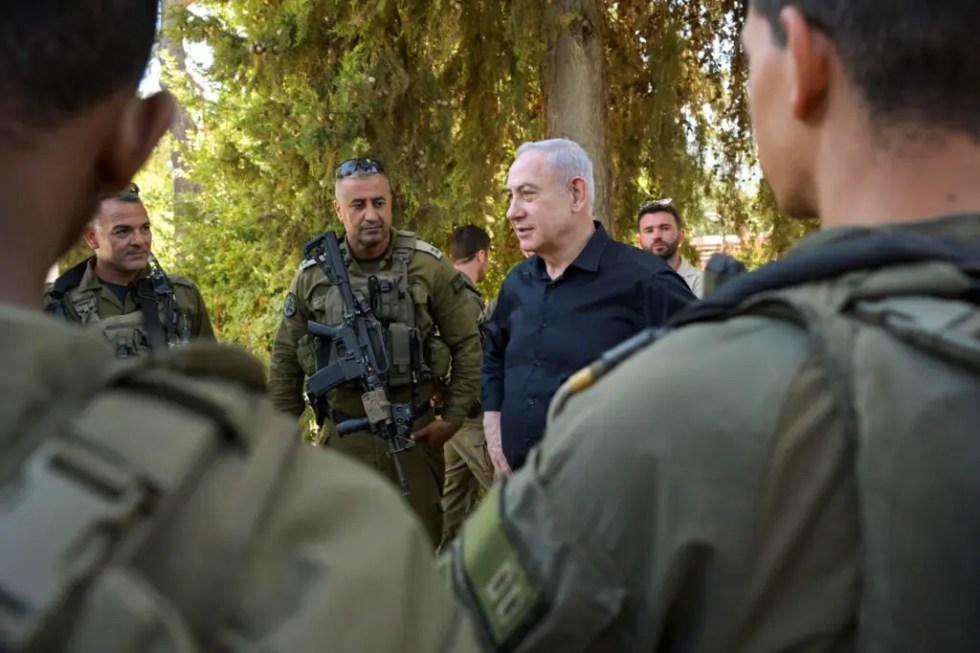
x=131 y=193
x=362 y=164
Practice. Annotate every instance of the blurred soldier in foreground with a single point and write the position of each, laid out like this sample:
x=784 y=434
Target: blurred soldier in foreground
x=161 y=504
x=794 y=467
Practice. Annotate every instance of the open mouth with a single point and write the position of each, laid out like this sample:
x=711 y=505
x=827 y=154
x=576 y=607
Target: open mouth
x=523 y=232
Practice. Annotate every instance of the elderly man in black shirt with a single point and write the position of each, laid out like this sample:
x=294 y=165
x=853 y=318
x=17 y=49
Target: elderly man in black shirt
x=580 y=294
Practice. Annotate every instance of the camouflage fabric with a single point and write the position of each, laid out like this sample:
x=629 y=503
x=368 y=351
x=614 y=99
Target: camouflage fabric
x=787 y=478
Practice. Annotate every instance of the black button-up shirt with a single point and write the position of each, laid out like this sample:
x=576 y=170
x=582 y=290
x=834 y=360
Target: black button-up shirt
x=543 y=330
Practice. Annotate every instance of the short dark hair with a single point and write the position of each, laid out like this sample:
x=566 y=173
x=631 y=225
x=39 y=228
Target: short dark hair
x=660 y=207
x=467 y=241
x=58 y=58
x=916 y=62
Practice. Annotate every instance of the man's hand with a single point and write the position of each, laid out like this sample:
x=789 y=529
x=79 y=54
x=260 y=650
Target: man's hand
x=495 y=446
x=435 y=434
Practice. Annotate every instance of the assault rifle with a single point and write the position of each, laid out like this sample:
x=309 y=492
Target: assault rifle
x=363 y=337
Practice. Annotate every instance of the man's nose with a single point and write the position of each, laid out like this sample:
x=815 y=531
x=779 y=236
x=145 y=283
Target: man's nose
x=514 y=210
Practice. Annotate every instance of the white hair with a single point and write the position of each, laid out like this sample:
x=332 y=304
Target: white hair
x=568 y=160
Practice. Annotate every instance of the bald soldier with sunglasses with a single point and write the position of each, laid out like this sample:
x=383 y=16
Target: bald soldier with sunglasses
x=419 y=297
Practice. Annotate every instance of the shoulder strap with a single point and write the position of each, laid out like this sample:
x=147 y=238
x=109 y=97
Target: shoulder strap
x=62 y=285
x=874 y=250
x=148 y=300
x=119 y=467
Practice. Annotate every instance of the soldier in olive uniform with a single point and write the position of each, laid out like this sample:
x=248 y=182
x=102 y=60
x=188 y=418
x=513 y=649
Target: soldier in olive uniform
x=162 y=503
x=795 y=466
x=468 y=465
x=430 y=322
x=122 y=292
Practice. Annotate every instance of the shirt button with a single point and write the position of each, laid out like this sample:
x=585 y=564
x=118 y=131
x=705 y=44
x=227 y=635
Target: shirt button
x=530 y=402
x=544 y=325
x=538 y=363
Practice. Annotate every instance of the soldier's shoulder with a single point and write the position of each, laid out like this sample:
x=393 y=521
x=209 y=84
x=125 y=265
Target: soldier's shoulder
x=306 y=264
x=411 y=239
x=182 y=281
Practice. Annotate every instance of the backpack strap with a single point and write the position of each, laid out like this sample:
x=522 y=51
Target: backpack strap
x=149 y=300
x=868 y=252
x=96 y=489
x=62 y=286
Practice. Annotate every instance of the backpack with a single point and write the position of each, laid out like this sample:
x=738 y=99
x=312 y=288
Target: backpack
x=94 y=484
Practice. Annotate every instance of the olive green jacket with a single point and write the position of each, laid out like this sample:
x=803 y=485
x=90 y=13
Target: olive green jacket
x=275 y=547
x=107 y=304
x=444 y=314
x=724 y=490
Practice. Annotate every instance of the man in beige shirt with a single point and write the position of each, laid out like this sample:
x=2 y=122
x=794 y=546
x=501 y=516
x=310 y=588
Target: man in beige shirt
x=661 y=232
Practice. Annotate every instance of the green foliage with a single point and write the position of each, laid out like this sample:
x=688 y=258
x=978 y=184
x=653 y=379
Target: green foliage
x=442 y=91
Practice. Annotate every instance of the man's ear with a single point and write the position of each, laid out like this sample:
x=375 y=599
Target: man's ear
x=91 y=237
x=141 y=124
x=807 y=49
x=580 y=194
x=681 y=234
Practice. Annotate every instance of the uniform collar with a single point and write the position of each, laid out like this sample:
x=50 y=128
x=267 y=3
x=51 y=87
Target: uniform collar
x=384 y=261
x=470 y=284
x=90 y=280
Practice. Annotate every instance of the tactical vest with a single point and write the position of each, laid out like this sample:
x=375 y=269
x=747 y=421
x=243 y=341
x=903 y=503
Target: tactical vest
x=101 y=472
x=414 y=351
x=160 y=323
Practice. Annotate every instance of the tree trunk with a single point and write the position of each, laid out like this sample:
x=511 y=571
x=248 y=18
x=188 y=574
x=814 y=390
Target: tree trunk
x=573 y=84
x=183 y=126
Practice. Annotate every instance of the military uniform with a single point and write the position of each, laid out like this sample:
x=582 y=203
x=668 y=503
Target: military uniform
x=468 y=465
x=414 y=291
x=227 y=533
x=80 y=297
x=795 y=469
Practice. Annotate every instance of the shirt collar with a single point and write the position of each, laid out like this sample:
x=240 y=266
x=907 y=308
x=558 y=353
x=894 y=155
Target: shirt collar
x=588 y=259
x=470 y=284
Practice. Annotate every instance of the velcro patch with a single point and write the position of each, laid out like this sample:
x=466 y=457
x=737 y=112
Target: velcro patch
x=289 y=308
x=500 y=586
x=307 y=263
x=423 y=246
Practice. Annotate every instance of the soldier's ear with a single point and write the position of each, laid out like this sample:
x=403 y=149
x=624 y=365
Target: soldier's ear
x=141 y=124
x=91 y=236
